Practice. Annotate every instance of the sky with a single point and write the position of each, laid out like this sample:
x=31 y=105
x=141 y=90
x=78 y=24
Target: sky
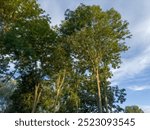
x=134 y=73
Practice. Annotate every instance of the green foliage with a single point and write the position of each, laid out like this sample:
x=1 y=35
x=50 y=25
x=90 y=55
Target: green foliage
x=25 y=91
x=133 y=109
x=17 y=19
x=96 y=40
x=62 y=69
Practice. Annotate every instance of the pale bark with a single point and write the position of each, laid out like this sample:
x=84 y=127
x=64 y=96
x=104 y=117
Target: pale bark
x=99 y=91
x=59 y=84
x=37 y=96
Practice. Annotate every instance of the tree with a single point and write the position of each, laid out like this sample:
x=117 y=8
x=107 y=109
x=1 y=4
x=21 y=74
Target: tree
x=96 y=39
x=61 y=69
x=27 y=43
x=133 y=109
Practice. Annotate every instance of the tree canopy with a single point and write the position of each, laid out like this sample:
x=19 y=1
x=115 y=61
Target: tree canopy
x=64 y=68
x=133 y=109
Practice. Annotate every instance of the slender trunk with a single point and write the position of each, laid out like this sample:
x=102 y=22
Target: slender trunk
x=105 y=89
x=37 y=96
x=99 y=92
x=59 y=84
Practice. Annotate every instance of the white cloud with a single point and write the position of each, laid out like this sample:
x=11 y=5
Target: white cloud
x=138 y=57
x=139 y=88
x=54 y=9
x=133 y=66
x=141 y=31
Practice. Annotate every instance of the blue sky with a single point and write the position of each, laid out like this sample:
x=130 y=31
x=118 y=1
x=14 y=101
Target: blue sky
x=134 y=74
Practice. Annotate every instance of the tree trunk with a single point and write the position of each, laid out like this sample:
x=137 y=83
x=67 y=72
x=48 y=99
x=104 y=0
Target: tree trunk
x=59 y=84
x=37 y=96
x=99 y=92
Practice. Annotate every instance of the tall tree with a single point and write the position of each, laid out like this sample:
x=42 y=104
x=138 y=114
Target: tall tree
x=27 y=40
x=96 y=39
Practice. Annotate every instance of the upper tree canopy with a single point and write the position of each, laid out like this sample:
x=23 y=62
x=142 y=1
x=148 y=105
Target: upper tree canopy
x=95 y=36
x=26 y=35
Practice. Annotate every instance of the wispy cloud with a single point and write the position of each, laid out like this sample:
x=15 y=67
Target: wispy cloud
x=141 y=31
x=139 y=88
x=133 y=66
